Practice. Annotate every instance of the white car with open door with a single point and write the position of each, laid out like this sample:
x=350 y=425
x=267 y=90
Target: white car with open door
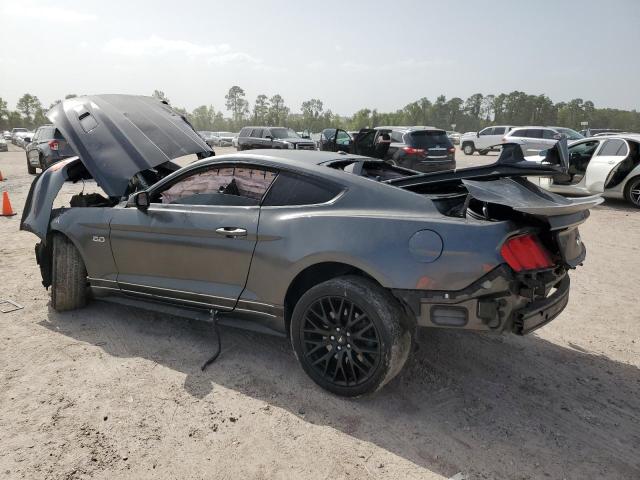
x=608 y=165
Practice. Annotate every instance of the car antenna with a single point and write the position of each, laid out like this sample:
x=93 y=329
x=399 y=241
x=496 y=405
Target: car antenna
x=216 y=329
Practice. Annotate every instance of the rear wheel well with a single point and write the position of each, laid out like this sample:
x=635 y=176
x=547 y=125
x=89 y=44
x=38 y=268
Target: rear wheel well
x=312 y=276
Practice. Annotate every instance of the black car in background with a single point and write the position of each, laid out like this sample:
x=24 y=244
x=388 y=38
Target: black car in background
x=424 y=149
x=273 y=137
x=47 y=147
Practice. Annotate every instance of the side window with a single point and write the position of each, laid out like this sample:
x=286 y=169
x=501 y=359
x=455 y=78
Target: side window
x=232 y=185
x=397 y=137
x=343 y=138
x=366 y=139
x=486 y=131
x=256 y=133
x=614 y=148
x=521 y=133
x=36 y=136
x=328 y=134
x=291 y=189
x=498 y=130
x=550 y=135
x=244 y=132
x=266 y=132
x=534 y=133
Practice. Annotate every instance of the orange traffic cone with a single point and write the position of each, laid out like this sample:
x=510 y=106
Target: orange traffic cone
x=7 y=211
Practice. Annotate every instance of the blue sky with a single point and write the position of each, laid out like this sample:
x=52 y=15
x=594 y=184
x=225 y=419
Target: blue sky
x=351 y=55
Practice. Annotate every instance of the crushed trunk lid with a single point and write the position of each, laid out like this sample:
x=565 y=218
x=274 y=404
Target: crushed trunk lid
x=118 y=136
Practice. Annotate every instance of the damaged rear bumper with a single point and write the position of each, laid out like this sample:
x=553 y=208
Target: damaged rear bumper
x=500 y=301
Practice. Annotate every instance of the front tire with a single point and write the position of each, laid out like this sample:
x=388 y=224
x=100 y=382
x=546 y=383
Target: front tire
x=349 y=335
x=632 y=192
x=468 y=148
x=68 y=276
x=31 y=169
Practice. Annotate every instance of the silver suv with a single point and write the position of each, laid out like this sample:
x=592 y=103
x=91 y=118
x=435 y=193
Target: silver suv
x=535 y=139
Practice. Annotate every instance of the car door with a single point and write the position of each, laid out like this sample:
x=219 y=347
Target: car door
x=485 y=138
x=194 y=243
x=364 y=144
x=611 y=154
x=580 y=156
x=256 y=138
x=327 y=141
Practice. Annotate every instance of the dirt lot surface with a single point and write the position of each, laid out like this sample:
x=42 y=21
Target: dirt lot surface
x=110 y=392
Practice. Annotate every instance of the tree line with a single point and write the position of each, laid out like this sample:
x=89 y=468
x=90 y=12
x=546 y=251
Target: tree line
x=472 y=114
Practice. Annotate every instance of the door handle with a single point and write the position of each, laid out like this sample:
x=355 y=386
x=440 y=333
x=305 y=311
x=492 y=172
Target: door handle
x=232 y=231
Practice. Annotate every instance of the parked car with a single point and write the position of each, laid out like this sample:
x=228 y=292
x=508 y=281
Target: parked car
x=47 y=147
x=6 y=135
x=3 y=145
x=15 y=132
x=484 y=141
x=592 y=132
x=224 y=139
x=609 y=165
x=23 y=138
x=272 y=137
x=454 y=137
x=536 y=139
x=209 y=137
x=424 y=149
x=349 y=257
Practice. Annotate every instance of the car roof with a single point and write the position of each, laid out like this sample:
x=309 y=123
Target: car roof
x=409 y=129
x=624 y=136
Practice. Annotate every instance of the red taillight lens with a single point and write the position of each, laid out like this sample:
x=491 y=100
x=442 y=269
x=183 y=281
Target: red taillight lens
x=525 y=252
x=53 y=145
x=413 y=151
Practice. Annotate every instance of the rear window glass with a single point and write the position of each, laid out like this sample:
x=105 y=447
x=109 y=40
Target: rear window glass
x=428 y=139
x=614 y=147
x=291 y=189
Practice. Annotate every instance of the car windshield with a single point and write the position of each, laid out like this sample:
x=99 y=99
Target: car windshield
x=429 y=139
x=571 y=134
x=283 y=133
x=20 y=130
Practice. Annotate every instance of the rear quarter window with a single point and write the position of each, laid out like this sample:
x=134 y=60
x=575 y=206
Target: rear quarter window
x=290 y=189
x=428 y=139
x=614 y=147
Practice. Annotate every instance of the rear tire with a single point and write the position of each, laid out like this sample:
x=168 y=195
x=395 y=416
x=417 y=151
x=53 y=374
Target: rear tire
x=632 y=192
x=468 y=148
x=68 y=276
x=350 y=336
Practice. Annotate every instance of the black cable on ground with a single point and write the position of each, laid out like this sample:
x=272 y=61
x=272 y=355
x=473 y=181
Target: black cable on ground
x=216 y=329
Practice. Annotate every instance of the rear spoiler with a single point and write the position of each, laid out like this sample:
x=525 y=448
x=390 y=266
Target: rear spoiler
x=510 y=163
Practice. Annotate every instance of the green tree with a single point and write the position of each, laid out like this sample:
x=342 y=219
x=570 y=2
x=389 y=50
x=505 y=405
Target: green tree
x=311 y=113
x=278 y=112
x=236 y=103
x=30 y=107
x=261 y=109
x=4 y=114
x=73 y=95
x=203 y=117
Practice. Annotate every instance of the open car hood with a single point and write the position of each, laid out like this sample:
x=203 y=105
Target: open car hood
x=117 y=136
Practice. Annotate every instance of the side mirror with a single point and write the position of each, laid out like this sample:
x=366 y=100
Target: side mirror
x=478 y=134
x=141 y=200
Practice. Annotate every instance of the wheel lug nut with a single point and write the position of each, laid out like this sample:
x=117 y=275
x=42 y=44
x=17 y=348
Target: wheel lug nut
x=339 y=347
x=348 y=334
x=332 y=337
x=348 y=345
x=337 y=329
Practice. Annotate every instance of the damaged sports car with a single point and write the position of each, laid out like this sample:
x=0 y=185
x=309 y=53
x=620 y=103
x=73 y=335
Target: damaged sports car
x=346 y=255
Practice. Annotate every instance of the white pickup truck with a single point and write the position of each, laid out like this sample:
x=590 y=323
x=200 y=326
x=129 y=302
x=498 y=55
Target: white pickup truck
x=483 y=141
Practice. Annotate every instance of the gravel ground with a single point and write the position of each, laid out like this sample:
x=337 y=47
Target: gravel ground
x=110 y=392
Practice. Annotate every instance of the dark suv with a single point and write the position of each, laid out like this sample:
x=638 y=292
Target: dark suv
x=272 y=137
x=425 y=149
x=47 y=147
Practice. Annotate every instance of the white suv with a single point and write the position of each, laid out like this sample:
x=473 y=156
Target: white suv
x=532 y=140
x=485 y=140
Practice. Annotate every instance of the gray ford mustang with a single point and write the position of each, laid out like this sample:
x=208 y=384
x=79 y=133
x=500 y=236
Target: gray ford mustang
x=344 y=254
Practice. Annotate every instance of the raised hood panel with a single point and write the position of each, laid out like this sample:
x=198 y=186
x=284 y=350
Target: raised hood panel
x=117 y=136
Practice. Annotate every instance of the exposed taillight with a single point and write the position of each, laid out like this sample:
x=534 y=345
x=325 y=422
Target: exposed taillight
x=53 y=145
x=413 y=151
x=452 y=150
x=525 y=252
